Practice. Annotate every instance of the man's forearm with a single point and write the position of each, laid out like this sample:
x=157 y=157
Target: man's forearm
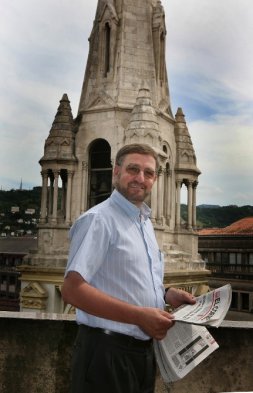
x=80 y=294
x=153 y=321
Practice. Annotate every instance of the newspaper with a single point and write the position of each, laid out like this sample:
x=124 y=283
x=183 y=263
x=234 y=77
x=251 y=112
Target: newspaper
x=210 y=308
x=183 y=348
x=188 y=344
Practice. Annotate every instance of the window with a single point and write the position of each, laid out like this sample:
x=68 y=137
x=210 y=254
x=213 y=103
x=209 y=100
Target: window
x=162 y=56
x=232 y=258
x=100 y=173
x=218 y=257
x=238 y=258
x=12 y=284
x=225 y=257
x=234 y=302
x=245 y=301
x=107 y=45
x=3 y=283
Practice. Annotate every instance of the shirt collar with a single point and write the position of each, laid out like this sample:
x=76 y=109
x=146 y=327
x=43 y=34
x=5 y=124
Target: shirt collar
x=129 y=207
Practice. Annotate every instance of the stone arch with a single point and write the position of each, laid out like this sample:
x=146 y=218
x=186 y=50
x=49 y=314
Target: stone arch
x=99 y=172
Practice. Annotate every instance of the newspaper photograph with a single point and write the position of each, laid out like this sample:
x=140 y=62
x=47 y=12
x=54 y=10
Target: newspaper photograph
x=183 y=348
x=210 y=308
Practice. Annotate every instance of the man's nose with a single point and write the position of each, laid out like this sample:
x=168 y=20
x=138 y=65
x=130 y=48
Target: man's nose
x=140 y=176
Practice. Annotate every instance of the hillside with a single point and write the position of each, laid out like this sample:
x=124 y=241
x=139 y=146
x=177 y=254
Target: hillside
x=25 y=199
x=207 y=215
x=23 y=219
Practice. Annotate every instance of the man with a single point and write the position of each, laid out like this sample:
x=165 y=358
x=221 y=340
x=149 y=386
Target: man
x=114 y=278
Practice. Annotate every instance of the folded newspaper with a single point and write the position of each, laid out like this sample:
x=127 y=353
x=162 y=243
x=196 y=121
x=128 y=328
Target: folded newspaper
x=209 y=309
x=189 y=343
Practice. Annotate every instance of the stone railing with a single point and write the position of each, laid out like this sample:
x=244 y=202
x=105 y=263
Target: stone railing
x=35 y=356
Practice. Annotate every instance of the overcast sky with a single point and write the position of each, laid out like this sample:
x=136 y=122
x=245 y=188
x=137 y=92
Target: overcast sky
x=43 y=53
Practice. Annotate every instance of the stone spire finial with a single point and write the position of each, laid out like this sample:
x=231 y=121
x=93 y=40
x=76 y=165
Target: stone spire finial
x=186 y=158
x=63 y=120
x=180 y=117
x=60 y=142
x=143 y=121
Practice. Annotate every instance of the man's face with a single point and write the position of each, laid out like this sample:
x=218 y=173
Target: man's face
x=135 y=177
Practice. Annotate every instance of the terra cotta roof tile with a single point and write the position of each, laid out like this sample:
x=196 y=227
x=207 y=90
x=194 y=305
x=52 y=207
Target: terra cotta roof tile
x=240 y=227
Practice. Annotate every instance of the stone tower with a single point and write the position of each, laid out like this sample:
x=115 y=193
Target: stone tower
x=124 y=99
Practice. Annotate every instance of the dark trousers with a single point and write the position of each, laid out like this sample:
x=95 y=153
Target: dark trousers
x=105 y=363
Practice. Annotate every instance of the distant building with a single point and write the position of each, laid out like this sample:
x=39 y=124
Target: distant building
x=228 y=253
x=12 y=252
x=30 y=211
x=15 y=209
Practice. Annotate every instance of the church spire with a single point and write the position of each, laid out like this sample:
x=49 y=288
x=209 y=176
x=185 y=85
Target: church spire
x=127 y=46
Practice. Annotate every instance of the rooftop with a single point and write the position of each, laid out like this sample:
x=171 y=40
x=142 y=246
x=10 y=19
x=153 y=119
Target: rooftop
x=240 y=227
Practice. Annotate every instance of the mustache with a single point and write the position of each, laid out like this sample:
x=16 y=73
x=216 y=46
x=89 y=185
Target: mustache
x=136 y=183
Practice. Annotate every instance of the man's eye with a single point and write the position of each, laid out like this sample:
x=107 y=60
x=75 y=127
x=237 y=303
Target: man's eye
x=133 y=170
x=149 y=174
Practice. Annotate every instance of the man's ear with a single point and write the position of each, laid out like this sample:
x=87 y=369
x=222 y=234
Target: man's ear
x=116 y=170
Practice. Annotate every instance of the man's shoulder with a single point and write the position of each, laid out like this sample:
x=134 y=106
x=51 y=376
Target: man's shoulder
x=104 y=209
x=97 y=216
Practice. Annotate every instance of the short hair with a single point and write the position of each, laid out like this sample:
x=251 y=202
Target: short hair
x=137 y=148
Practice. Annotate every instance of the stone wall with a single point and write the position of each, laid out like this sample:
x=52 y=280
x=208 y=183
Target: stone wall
x=35 y=356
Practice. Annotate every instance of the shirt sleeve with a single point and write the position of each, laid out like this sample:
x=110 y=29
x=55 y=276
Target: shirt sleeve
x=90 y=238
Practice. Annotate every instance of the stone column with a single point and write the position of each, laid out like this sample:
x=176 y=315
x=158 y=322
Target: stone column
x=194 y=209
x=154 y=203
x=55 y=199
x=63 y=199
x=84 y=186
x=160 y=195
x=43 y=213
x=50 y=196
x=189 y=204
x=178 y=203
x=69 y=195
x=167 y=195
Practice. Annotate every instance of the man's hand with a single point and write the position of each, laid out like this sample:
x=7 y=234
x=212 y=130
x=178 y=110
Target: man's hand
x=176 y=297
x=155 y=322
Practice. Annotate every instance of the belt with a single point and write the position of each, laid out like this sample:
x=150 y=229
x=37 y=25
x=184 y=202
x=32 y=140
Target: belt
x=119 y=337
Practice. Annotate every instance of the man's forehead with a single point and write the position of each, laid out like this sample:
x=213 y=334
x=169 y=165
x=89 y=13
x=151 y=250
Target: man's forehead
x=136 y=158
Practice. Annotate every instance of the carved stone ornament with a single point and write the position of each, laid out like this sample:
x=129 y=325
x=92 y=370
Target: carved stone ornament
x=34 y=296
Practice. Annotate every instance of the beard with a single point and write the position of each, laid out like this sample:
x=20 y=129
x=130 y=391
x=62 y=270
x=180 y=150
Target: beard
x=134 y=192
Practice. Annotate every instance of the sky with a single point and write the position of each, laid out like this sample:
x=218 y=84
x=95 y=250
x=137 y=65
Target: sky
x=209 y=53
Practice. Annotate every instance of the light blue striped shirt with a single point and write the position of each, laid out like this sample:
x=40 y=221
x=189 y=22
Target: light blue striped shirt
x=116 y=251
